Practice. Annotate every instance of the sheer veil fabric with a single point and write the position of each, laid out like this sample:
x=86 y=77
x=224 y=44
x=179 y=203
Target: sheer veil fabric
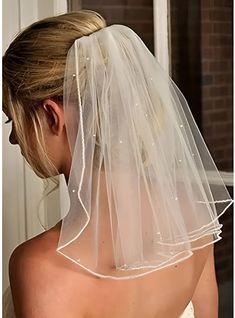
x=135 y=143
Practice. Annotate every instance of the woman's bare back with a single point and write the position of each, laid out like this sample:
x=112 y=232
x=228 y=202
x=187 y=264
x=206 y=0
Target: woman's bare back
x=77 y=294
x=161 y=294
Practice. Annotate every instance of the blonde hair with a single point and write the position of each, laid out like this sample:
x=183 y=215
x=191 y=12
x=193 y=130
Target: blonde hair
x=33 y=70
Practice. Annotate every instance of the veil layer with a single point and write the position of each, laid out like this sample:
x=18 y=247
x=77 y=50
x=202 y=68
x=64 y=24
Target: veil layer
x=140 y=187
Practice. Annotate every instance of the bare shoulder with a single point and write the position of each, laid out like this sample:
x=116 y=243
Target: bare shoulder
x=34 y=252
x=32 y=248
x=41 y=281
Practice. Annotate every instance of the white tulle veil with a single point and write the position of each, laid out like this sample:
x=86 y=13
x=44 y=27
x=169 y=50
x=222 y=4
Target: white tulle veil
x=135 y=143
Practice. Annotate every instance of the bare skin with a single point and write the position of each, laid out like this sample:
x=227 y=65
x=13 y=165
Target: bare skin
x=45 y=284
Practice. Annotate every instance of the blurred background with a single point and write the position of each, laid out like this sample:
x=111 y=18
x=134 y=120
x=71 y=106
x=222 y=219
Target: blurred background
x=193 y=41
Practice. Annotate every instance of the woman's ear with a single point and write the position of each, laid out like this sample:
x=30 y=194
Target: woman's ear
x=54 y=115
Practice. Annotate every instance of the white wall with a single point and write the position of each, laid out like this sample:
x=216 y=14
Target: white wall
x=161 y=13
x=22 y=190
